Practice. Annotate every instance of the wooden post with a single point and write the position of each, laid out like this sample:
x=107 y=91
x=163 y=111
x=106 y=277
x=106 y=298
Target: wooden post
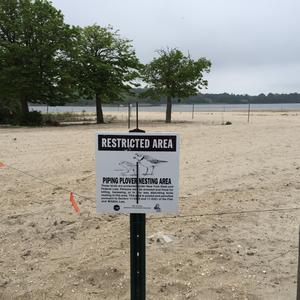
x=128 y=115
x=193 y=110
x=248 y=112
x=223 y=111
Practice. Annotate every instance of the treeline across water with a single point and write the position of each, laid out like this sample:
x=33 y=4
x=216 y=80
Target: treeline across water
x=240 y=99
x=222 y=98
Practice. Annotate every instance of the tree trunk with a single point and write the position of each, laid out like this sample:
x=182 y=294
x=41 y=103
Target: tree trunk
x=169 y=109
x=99 y=112
x=24 y=106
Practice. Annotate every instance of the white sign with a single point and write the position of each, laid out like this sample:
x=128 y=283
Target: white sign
x=137 y=172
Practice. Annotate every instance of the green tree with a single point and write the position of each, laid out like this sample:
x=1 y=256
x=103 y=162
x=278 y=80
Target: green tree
x=172 y=74
x=35 y=53
x=107 y=65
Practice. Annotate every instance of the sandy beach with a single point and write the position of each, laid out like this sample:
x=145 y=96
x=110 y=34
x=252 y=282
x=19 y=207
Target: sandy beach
x=47 y=251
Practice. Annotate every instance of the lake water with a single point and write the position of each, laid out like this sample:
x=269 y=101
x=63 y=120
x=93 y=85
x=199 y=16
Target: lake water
x=175 y=107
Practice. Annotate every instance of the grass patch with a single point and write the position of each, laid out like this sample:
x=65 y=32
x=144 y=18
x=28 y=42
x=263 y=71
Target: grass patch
x=57 y=118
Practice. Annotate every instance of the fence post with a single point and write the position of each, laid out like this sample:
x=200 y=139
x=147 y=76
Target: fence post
x=193 y=110
x=248 y=112
x=128 y=115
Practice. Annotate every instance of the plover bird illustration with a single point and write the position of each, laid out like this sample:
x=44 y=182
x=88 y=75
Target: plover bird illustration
x=128 y=168
x=148 y=162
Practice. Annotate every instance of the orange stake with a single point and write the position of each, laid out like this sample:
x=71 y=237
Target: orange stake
x=74 y=204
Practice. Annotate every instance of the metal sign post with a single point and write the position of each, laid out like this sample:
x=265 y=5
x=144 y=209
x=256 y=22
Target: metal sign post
x=137 y=241
x=138 y=256
x=137 y=173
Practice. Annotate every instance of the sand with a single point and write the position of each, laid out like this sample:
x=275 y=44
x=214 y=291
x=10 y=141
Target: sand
x=47 y=251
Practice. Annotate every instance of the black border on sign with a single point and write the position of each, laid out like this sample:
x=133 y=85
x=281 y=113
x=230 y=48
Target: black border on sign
x=129 y=137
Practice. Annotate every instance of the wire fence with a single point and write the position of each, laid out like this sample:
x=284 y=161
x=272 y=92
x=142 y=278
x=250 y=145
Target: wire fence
x=192 y=216
x=48 y=182
x=210 y=214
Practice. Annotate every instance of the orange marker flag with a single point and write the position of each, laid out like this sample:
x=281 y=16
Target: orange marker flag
x=2 y=165
x=74 y=204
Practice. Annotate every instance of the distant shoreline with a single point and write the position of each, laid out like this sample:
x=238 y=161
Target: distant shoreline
x=280 y=107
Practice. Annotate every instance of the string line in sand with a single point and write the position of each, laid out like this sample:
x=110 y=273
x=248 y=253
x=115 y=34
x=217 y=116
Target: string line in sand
x=224 y=213
x=48 y=182
x=228 y=213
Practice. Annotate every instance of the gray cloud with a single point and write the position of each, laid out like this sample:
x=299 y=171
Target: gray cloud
x=254 y=45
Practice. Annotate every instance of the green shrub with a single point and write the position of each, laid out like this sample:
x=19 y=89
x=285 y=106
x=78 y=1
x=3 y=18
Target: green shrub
x=6 y=115
x=32 y=118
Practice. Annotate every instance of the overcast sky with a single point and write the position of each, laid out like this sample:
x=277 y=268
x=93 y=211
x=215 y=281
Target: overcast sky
x=254 y=45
